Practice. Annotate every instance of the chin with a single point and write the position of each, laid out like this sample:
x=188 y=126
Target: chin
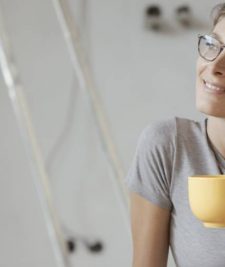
x=209 y=110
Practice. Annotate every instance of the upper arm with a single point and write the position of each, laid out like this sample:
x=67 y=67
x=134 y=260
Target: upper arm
x=150 y=232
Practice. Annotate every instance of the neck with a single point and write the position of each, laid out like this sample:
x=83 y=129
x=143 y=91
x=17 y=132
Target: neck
x=216 y=133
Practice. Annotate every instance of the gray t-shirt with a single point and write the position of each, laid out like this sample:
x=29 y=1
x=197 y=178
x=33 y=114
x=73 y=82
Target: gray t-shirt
x=167 y=153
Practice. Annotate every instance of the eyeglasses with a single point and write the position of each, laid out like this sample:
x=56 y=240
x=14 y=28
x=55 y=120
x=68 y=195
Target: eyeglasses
x=209 y=47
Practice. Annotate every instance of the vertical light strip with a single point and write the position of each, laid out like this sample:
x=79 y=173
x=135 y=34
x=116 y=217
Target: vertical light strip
x=82 y=70
x=39 y=175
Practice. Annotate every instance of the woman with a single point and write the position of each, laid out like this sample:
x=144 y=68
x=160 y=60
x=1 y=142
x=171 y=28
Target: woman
x=167 y=153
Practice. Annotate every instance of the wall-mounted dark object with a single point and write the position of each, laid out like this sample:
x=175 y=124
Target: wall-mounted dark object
x=91 y=246
x=153 y=18
x=95 y=247
x=71 y=245
x=184 y=15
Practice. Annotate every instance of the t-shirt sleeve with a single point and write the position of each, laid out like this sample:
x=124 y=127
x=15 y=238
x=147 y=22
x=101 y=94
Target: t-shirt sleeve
x=150 y=172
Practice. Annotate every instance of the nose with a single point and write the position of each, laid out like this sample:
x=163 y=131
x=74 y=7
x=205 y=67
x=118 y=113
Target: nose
x=218 y=65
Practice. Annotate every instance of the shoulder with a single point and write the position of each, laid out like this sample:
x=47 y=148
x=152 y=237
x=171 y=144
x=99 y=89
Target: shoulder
x=159 y=132
x=189 y=128
x=166 y=133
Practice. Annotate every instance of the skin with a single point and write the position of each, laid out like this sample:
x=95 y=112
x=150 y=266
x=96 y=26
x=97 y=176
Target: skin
x=213 y=105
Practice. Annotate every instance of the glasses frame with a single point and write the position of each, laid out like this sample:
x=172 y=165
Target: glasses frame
x=222 y=46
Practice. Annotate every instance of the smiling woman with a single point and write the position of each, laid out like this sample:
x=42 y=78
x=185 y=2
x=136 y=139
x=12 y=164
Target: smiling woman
x=210 y=83
x=168 y=152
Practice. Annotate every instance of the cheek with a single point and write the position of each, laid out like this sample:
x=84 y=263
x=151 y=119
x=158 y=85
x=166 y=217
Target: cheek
x=200 y=68
x=201 y=74
x=198 y=71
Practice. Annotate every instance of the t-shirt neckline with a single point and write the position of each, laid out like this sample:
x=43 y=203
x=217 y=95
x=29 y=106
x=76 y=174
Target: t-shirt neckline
x=218 y=156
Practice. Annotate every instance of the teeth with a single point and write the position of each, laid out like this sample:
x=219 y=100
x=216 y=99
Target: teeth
x=213 y=87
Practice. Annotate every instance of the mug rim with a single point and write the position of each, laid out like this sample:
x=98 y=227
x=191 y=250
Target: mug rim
x=220 y=176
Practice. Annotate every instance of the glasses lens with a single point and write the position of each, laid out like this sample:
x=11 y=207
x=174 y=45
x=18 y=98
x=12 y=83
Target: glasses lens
x=208 y=47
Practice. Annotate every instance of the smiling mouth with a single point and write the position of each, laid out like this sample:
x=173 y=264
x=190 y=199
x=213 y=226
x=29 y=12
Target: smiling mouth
x=212 y=88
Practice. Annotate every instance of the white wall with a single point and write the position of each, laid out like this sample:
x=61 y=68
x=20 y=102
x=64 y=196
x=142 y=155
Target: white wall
x=141 y=76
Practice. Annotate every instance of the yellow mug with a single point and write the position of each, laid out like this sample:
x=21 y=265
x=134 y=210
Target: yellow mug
x=207 y=199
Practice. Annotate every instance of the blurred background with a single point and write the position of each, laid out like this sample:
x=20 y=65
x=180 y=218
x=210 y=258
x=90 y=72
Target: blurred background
x=79 y=81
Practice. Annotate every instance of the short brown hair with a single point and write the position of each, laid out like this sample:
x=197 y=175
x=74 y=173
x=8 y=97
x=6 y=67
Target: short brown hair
x=217 y=13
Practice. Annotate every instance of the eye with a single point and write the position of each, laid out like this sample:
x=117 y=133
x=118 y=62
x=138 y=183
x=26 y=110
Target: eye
x=211 y=46
x=211 y=43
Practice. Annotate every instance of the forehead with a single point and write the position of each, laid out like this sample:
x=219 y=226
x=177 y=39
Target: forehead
x=219 y=29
